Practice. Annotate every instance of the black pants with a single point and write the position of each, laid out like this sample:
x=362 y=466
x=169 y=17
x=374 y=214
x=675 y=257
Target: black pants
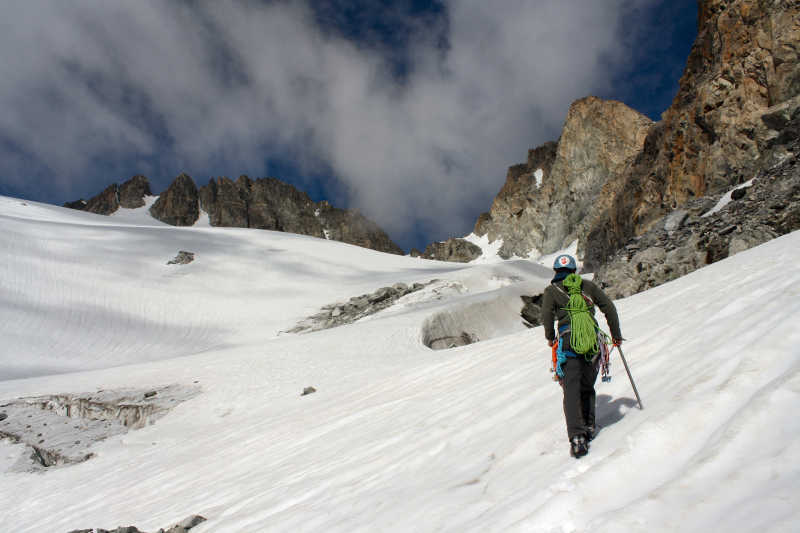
x=579 y=395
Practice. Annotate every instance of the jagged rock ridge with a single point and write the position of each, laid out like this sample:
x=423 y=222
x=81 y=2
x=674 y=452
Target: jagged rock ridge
x=265 y=203
x=744 y=62
x=552 y=200
x=634 y=200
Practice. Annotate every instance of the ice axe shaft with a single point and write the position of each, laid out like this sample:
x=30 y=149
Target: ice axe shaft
x=624 y=362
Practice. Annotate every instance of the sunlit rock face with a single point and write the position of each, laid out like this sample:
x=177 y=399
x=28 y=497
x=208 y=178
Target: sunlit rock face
x=743 y=63
x=553 y=199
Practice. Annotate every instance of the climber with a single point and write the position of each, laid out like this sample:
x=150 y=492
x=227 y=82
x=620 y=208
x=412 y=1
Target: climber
x=570 y=300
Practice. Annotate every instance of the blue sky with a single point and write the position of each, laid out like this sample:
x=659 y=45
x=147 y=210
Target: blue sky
x=411 y=111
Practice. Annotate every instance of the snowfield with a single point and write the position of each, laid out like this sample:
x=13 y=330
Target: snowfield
x=397 y=437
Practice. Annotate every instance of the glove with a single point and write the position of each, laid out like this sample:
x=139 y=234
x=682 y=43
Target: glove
x=551 y=343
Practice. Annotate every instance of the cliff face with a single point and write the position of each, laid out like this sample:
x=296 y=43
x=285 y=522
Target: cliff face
x=178 y=205
x=555 y=197
x=268 y=203
x=744 y=61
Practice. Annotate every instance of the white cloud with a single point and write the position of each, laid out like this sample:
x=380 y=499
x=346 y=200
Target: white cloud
x=222 y=86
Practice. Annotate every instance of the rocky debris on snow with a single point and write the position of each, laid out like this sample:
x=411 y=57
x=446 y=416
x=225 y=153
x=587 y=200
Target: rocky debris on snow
x=129 y=195
x=179 y=205
x=532 y=310
x=686 y=240
x=181 y=527
x=183 y=258
x=308 y=390
x=356 y=308
x=453 y=250
x=61 y=429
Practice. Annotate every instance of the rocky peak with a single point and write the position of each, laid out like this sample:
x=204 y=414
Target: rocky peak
x=179 y=205
x=551 y=201
x=129 y=195
x=744 y=61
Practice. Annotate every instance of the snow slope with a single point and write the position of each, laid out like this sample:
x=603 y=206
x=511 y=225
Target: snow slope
x=397 y=437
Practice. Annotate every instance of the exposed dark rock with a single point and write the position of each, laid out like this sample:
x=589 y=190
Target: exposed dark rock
x=226 y=203
x=179 y=205
x=453 y=250
x=265 y=203
x=268 y=203
x=104 y=203
x=132 y=192
x=78 y=205
x=129 y=195
x=668 y=250
x=736 y=101
x=183 y=526
x=308 y=390
x=356 y=308
x=183 y=258
x=532 y=310
x=554 y=198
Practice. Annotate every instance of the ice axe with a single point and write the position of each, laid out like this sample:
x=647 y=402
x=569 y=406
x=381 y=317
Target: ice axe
x=619 y=349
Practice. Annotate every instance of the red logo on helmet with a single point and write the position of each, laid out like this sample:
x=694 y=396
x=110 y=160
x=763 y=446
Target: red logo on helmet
x=564 y=260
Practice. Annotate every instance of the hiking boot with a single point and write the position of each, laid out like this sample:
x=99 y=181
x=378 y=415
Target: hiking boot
x=578 y=447
x=590 y=431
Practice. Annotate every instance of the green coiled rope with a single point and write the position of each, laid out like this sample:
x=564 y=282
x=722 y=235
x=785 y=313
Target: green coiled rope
x=583 y=339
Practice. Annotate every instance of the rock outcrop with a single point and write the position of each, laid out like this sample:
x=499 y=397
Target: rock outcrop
x=613 y=176
x=265 y=203
x=268 y=203
x=744 y=61
x=181 y=527
x=687 y=240
x=179 y=205
x=553 y=199
x=129 y=195
x=339 y=314
x=453 y=250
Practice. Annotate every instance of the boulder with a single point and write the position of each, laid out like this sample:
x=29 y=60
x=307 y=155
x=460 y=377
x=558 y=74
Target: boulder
x=453 y=250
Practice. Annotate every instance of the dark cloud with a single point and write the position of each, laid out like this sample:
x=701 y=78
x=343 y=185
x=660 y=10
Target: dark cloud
x=409 y=110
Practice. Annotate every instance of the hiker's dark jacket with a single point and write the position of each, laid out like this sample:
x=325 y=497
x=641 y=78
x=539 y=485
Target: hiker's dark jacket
x=555 y=300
